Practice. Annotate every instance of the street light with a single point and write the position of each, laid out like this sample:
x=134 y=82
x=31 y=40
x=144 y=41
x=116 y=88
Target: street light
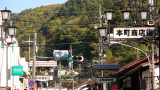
x=109 y=15
x=143 y=14
x=102 y=32
x=126 y=15
x=5 y=14
x=10 y=30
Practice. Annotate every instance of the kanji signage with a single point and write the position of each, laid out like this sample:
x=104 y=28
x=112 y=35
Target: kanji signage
x=104 y=80
x=134 y=32
x=106 y=66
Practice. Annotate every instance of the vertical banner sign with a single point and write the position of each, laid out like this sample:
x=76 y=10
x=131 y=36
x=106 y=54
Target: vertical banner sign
x=2 y=45
x=12 y=48
x=35 y=85
x=25 y=81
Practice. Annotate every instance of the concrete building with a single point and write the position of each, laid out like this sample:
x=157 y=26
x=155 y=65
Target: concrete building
x=9 y=57
x=44 y=72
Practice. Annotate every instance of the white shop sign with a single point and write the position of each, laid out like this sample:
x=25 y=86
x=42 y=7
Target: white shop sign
x=134 y=32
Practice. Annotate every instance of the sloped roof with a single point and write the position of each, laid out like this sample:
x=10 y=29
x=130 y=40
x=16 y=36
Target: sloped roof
x=43 y=63
x=133 y=65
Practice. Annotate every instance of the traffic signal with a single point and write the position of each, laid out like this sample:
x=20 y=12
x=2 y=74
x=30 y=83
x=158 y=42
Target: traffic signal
x=69 y=57
x=79 y=58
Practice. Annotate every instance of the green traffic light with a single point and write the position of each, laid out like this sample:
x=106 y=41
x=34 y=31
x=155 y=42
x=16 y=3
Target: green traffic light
x=69 y=58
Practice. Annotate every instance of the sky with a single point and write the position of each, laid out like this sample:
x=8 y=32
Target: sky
x=16 y=6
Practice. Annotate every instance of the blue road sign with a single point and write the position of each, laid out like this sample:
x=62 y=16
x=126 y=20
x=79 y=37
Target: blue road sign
x=31 y=83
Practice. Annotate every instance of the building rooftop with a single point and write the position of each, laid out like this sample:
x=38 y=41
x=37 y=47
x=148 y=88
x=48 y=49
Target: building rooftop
x=44 y=64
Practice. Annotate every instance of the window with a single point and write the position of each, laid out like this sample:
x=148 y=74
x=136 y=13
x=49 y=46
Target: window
x=42 y=77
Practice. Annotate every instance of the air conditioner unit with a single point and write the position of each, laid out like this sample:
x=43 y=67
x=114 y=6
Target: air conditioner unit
x=150 y=22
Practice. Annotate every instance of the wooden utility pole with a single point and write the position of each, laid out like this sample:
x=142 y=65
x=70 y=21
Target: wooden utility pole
x=34 y=57
x=29 y=52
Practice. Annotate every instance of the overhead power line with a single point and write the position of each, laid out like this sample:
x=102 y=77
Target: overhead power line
x=64 y=44
x=56 y=12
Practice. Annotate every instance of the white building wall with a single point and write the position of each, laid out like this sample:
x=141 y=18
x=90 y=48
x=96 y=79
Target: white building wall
x=3 y=68
x=15 y=59
x=157 y=74
x=2 y=61
x=16 y=56
x=9 y=56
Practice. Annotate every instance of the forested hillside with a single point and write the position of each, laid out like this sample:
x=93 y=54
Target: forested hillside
x=72 y=23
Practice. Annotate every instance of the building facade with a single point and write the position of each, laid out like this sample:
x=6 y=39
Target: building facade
x=136 y=75
x=9 y=57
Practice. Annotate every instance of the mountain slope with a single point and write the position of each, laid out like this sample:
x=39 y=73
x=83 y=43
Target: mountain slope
x=72 y=23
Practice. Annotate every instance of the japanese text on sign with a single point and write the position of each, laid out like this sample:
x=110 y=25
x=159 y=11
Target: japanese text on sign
x=106 y=79
x=135 y=32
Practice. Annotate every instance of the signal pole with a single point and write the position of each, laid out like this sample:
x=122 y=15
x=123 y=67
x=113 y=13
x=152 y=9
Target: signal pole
x=60 y=75
x=72 y=68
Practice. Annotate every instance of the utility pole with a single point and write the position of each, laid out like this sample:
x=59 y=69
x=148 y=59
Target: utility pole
x=29 y=52
x=100 y=48
x=158 y=41
x=72 y=68
x=100 y=39
x=34 y=57
x=152 y=67
x=60 y=75
x=100 y=16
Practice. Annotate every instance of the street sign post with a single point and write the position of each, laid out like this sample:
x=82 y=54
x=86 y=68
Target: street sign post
x=31 y=83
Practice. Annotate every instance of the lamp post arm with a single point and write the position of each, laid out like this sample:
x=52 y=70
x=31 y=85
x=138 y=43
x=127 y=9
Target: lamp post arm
x=136 y=49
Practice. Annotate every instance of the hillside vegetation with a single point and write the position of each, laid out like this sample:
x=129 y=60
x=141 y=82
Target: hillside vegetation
x=72 y=23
